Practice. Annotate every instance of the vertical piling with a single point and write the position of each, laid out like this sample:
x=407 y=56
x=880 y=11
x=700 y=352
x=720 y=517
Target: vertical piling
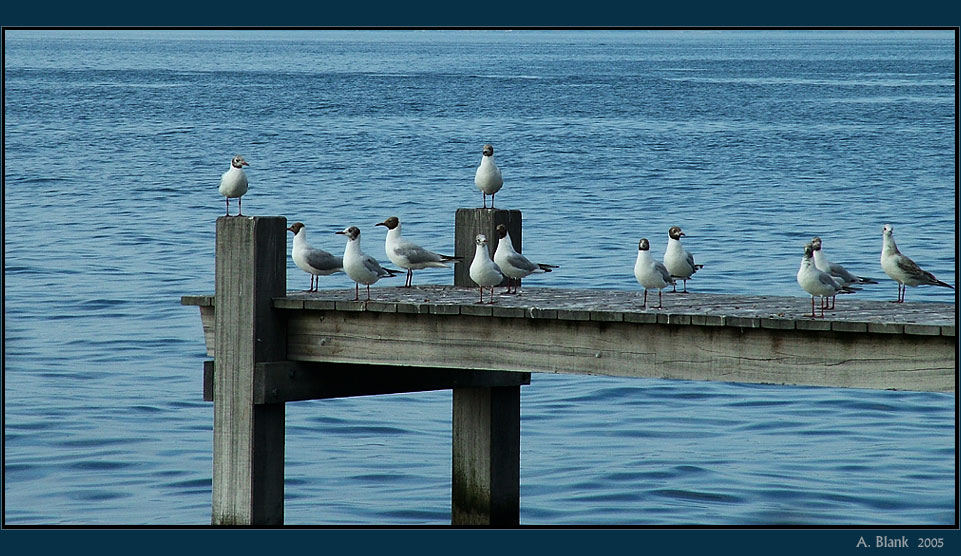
x=486 y=434
x=485 y=480
x=470 y=222
x=248 y=446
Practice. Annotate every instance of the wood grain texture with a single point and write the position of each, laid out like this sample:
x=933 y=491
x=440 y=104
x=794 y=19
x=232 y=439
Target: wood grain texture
x=290 y=381
x=485 y=474
x=652 y=350
x=248 y=438
x=866 y=344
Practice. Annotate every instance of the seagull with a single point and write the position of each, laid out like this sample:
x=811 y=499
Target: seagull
x=483 y=271
x=837 y=271
x=903 y=270
x=360 y=267
x=650 y=273
x=488 y=176
x=409 y=255
x=677 y=260
x=233 y=183
x=315 y=262
x=817 y=282
x=514 y=265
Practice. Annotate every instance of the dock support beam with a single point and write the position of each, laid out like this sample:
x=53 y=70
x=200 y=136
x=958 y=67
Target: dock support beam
x=485 y=482
x=248 y=446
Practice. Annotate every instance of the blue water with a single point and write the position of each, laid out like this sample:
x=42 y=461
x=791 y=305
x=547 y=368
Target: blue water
x=752 y=141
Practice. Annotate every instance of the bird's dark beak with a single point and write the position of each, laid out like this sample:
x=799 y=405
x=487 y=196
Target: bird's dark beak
x=340 y=232
x=384 y=224
x=245 y=163
x=290 y=229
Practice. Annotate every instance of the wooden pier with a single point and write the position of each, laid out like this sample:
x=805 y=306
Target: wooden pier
x=270 y=347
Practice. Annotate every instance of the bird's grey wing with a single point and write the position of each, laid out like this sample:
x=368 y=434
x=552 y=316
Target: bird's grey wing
x=372 y=265
x=828 y=280
x=520 y=261
x=690 y=261
x=664 y=273
x=842 y=273
x=416 y=254
x=910 y=267
x=322 y=260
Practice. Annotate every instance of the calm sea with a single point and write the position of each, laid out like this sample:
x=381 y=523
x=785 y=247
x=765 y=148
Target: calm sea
x=752 y=141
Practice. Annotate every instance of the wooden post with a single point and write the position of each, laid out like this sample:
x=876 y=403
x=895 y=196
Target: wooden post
x=248 y=474
x=470 y=222
x=485 y=480
x=486 y=421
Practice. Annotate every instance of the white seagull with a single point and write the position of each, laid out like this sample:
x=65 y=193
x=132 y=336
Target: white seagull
x=483 y=271
x=837 y=271
x=903 y=270
x=817 y=282
x=313 y=261
x=650 y=273
x=488 y=176
x=409 y=255
x=359 y=266
x=514 y=265
x=678 y=261
x=233 y=183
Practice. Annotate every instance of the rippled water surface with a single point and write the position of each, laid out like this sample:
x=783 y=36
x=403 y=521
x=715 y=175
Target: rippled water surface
x=752 y=141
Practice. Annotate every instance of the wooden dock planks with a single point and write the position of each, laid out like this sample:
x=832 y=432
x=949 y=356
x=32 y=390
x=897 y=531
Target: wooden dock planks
x=765 y=339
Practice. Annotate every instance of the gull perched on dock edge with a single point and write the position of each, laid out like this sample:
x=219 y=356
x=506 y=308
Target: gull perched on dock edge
x=359 y=266
x=488 y=177
x=313 y=261
x=678 y=261
x=817 y=282
x=512 y=264
x=837 y=271
x=233 y=183
x=483 y=271
x=650 y=273
x=903 y=270
x=409 y=255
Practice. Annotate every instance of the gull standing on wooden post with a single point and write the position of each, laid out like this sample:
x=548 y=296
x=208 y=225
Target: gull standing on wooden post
x=233 y=183
x=488 y=177
x=311 y=260
x=359 y=266
x=678 y=261
x=514 y=265
x=816 y=282
x=650 y=273
x=409 y=255
x=903 y=270
x=483 y=271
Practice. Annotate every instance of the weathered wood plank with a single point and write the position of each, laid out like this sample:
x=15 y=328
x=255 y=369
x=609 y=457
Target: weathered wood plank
x=290 y=381
x=723 y=353
x=486 y=438
x=703 y=309
x=248 y=446
x=898 y=331
x=678 y=308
